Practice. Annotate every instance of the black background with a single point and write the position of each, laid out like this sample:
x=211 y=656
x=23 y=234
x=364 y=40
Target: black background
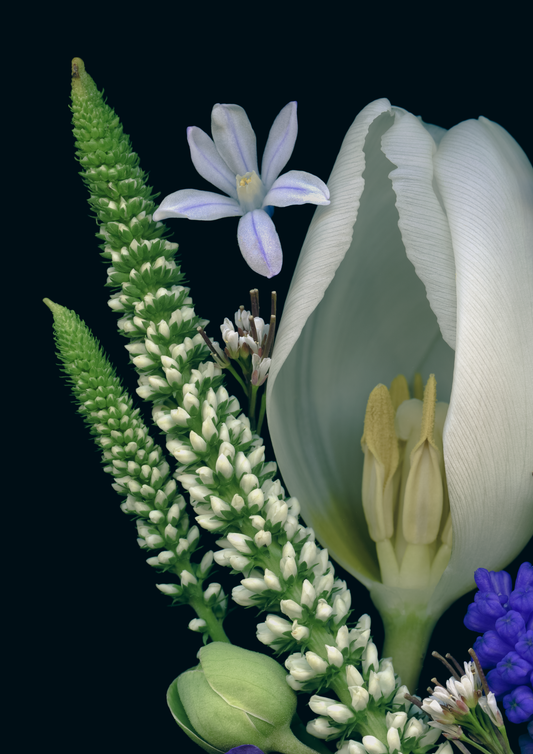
x=99 y=644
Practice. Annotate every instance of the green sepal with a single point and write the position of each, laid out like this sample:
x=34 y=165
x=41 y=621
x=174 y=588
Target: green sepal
x=180 y=716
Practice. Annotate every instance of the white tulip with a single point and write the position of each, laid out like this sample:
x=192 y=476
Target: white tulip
x=423 y=262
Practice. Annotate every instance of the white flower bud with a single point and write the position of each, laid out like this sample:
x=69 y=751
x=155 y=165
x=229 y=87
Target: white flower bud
x=224 y=467
x=197 y=442
x=153 y=561
x=156 y=517
x=299 y=668
x=325 y=583
x=208 y=429
x=226 y=448
x=168 y=589
x=340 y=713
x=199 y=494
x=242 y=596
x=374 y=689
x=242 y=465
x=208 y=523
x=272 y=581
x=288 y=551
x=308 y=594
x=206 y=561
x=218 y=505
x=360 y=697
x=353 y=676
x=190 y=401
x=323 y=610
x=154 y=540
x=364 y=623
x=205 y=474
x=334 y=656
x=237 y=502
x=359 y=638
x=396 y=720
x=187 y=578
x=166 y=423
x=278 y=625
x=373 y=745
x=352 y=747
x=263 y=539
x=370 y=657
x=386 y=680
x=180 y=416
x=290 y=526
x=320 y=728
x=258 y=522
x=196 y=624
x=342 y=640
x=308 y=554
x=256 y=456
x=291 y=608
x=277 y=513
x=316 y=662
x=166 y=557
x=248 y=482
x=254 y=584
x=339 y=609
x=320 y=704
x=213 y=590
x=265 y=635
x=256 y=497
x=171 y=532
x=299 y=633
x=288 y=567
x=400 y=700
x=293 y=683
x=240 y=542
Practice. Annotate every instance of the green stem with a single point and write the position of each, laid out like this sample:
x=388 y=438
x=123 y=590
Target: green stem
x=238 y=378
x=407 y=636
x=261 y=413
x=214 y=625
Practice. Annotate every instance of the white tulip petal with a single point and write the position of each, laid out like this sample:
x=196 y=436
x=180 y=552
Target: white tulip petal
x=209 y=163
x=423 y=222
x=197 y=205
x=234 y=138
x=486 y=182
x=318 y=360
x=280 y=144
x=297 y=187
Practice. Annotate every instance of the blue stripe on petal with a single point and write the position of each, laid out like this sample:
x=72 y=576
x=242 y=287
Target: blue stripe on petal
x=280 y=144
x=259 y=243
x=197 y=205
x=209 y=163
x=234 y=138
x=297 y=187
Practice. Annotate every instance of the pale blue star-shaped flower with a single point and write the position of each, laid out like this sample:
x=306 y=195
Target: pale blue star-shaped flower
x=229 y=162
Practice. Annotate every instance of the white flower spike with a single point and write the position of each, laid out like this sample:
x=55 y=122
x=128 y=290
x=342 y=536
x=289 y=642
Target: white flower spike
x=229 y=162
x=423 y=262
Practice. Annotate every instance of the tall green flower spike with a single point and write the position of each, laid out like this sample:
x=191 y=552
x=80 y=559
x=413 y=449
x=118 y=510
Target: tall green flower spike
x=137 y=463
x=221 y=464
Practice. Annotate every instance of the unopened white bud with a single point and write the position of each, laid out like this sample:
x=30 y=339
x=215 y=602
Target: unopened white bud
x=254 y=584
x=370 y=657
x=325 y=584
x=240 y=542
x=400 y=700
x=213 y=590
x=263 y=539
x=386 y=680
x=373 y=745
x=320 y=704
x=187 y=578
x=166 y=557
x=278 y=625
x=320 y=728
x=342 y=640
x=197 y=442
x=242 y=596
x=208 y=522
x=316 y=662
x=224 y=467
x=205 y=474
x=168 y=589
x=374 y=689
x=340 y=713
x=239 y=562
x=206 y=561
x=298 y=632
x=156 y=517
x=180 y=416
x=288 y=550
x=277 y=513
x=237 y=502
x=272 y=581
x=242 y=465
x=396 y=720
x=308 y=594
x=334 y=656
x=353 y=676
x=291 y=608
x=208 y=429
x=288 y=567
x=171 y=532
x=258 y=522
x=197 y=624
x=360 y=697
x=248 y=483
x=323 y=610
x=256 y=497
x=218 y=506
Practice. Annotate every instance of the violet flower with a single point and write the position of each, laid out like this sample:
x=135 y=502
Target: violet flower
x=229 y=162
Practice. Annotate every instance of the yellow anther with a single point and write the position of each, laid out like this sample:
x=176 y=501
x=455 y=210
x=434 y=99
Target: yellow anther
x=380 y=447
x=423 y=499
x=418 y=387
x=399 y=391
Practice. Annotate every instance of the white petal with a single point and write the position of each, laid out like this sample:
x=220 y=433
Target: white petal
x=297 y=187
x=209 y=163
x=234 y=138
x=341 y=335
x=486 y=182
x=423 y=223
x=259 y=243
x=197 y=205
x=280 y=143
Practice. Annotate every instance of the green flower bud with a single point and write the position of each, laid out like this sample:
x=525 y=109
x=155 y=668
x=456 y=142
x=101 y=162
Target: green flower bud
x=235 y=697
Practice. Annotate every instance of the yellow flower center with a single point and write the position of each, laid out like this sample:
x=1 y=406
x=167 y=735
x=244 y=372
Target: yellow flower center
x=405 y=497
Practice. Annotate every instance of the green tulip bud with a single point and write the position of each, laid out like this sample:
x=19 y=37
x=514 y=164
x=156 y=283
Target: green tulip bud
x=235 y=697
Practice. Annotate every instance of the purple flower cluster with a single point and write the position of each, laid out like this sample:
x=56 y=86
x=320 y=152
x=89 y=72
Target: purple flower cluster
x=505 y=618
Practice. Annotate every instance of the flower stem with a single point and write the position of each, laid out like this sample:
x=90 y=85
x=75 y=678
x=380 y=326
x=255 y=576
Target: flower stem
x=214 y=625
x=407 y=637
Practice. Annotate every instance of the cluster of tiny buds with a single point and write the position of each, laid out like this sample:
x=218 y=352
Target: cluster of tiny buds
x=251 y=338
